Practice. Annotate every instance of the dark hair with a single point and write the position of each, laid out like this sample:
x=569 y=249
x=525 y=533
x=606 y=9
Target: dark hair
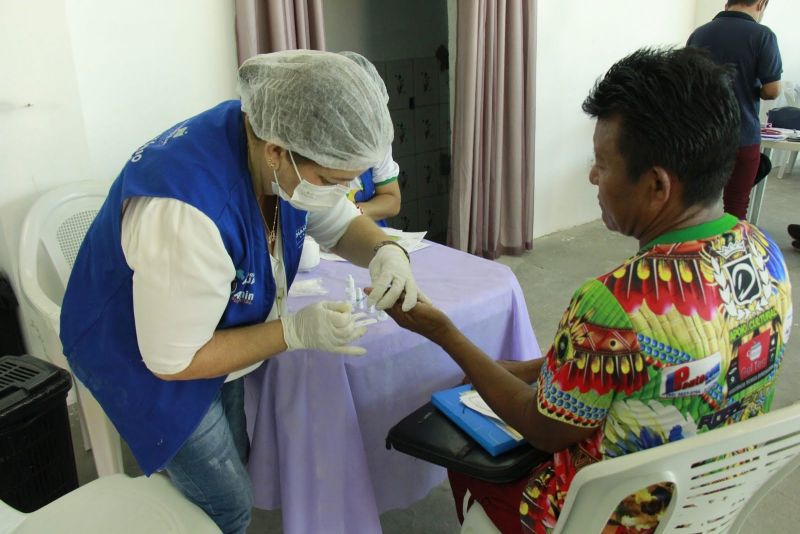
x=299 y=158
x=741 y=3
x=677 y=110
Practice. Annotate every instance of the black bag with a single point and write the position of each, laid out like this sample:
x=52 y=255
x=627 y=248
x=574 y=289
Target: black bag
x=764 y=168
x=11 y=342
x=784 y=117
x=429 y=435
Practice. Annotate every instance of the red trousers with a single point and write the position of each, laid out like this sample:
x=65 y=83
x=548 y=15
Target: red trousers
x=737 y=191
x=500 y=501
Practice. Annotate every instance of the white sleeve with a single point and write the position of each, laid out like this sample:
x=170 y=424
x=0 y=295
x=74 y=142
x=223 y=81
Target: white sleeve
x=328 y=227
x=181 y=279
x=386 y=169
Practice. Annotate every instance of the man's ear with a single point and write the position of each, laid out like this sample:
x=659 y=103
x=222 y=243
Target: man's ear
x=661 y=185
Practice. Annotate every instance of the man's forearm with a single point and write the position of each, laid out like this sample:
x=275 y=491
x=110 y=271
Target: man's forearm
x=510 y=397
x=770 y=91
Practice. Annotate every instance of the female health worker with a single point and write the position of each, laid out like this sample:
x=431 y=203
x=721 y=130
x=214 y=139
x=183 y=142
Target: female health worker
x=179 y=288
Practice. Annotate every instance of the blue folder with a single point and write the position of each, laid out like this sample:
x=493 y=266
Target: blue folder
x=482 y=429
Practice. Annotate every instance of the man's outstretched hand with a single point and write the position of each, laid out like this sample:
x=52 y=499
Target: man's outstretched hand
x=425 y=319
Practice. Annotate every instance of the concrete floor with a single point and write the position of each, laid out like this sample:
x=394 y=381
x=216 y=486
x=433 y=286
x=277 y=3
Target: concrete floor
x=548 y=276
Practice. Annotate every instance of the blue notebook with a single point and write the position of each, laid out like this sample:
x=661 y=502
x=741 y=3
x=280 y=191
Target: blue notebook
x=485 y=430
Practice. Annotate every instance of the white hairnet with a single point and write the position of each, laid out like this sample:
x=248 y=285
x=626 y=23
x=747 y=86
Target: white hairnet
x=321 y=105
x=365 y=64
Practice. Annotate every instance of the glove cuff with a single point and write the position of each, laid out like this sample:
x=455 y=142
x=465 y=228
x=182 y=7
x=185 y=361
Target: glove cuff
x=289 y=336
x=395 y=243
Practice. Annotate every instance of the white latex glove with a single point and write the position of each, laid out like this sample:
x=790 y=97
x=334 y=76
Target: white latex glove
x=326 y=325
x=391 y=275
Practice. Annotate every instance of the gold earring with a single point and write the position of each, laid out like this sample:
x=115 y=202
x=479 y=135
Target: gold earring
x=271 y=164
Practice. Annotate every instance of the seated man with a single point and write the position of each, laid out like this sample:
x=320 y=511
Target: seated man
x=684 y=336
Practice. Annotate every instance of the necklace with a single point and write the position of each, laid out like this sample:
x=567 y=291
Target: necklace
x=271 y=233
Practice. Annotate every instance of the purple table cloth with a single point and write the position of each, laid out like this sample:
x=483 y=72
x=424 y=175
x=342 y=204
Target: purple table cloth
x=317 y=421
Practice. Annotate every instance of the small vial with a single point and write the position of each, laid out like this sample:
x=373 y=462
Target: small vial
x=350 y=292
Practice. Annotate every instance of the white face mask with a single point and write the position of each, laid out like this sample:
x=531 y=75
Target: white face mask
x=307 y=196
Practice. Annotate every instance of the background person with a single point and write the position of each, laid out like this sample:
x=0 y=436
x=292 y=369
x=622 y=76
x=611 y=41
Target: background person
x=736 y=38
x=376 y=192
x=794 y=232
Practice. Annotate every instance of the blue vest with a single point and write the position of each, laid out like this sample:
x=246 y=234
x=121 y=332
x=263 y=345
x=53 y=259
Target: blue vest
x=367 y=192
x=203 y=162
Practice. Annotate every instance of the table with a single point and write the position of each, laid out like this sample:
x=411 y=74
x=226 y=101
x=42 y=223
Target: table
x=318 y=421
x=758 y=197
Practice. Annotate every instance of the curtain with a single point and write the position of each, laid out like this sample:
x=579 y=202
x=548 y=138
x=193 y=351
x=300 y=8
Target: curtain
x=491 y=204
x=272 y=25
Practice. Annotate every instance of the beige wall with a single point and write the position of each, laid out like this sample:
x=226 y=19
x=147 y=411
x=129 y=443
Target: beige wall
x=85 y=82
x=577 y=42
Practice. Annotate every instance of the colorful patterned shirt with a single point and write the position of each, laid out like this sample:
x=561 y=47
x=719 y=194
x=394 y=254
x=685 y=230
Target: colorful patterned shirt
x=683 y=337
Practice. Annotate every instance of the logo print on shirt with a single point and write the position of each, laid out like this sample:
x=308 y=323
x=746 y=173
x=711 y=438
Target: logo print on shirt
x=242 y=296
x=754 y=355
x=715 y=419
x=691 y=379
x=745 y=282
x=730 y=249
x=754 y=360
x=139 y=151
x=300 y=236
x=178 y=131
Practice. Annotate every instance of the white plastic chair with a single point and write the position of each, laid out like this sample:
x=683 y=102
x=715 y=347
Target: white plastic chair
x=116 y=504
x=719 y=477
x=56 y=225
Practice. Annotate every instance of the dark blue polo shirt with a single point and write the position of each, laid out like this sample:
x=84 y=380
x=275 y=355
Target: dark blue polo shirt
x=736 y=39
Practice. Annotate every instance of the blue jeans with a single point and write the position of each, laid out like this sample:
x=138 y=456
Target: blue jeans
x=209 y=468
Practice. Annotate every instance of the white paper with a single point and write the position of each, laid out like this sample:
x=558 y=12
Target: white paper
x=330 y=256
x=411 y=241
x=307 y=288
x=777 y=134
x=473 y=400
